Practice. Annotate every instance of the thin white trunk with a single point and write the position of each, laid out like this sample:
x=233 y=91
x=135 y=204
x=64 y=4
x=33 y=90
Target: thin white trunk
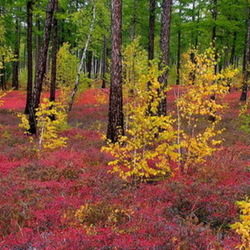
x=80 y=68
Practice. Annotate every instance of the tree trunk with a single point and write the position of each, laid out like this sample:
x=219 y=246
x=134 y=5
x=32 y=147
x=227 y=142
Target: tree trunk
x=3 y=79
x=41 y=66
x=164 y=44
x=54 y=55
x=116 y=119
x=104 y=61
x=38 y=42
x=133 y=21
x=29 y=57
x=151 y=35
x=15 y=77
x=232 y=57
x=89 y=63
x=151 y=47
x=178 y=66
x=214 y=16
x=80 y=68
x=246 y=63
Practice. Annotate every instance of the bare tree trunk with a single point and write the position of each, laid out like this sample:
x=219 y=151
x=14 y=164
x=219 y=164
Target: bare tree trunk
x=80 y=68
x=164 y=44
x=151 y=35
x=246 y=63
x=15 y=77
x=232 y=57
x=41 y=66
x=104 y=61
x=89 y=62
x=214 y=16
x=133 y=21
x=3 y=79
x=178 y=66
x=29 y=57
x=54 y=55
x=116 y=119
x=38 y=42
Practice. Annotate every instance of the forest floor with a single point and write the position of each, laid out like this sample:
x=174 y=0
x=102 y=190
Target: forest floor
x=40 y=194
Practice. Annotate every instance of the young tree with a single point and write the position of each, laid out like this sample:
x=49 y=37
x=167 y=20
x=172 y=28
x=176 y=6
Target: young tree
x=116 y=119
x=41 y=66
x=164 y=44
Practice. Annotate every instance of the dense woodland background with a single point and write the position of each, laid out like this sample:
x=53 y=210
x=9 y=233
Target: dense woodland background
x=124 y=124
x=193 y=24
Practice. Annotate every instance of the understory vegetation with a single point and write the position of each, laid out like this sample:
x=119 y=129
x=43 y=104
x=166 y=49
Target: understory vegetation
x=69 y=197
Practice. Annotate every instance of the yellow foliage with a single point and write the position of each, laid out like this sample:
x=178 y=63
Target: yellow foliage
x=195 y=104
x=91 y=215
x=3 y=94
x=152 y=142
x=149 y=146
x=48 y=128
x=243 y=227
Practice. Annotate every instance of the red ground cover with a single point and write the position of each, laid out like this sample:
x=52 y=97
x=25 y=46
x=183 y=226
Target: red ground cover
x=40 y=194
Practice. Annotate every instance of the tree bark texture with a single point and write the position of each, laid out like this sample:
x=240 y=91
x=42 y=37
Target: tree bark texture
x=151 y=35
x=29 y=57
x=164 y=44
x=116 y=119
x=2 y=74
x=38 y=42
x=178 y=66
x=246 y=63
x=54 y=56
x=41 y=66
x=104 y=61
x=15 y=77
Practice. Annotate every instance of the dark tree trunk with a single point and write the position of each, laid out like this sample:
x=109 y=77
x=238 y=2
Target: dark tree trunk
x=151 y=40
x=232 y=57
x=197 y=28
x=151 y=35
x=246 y=63
x=192 y=74
x=15 y=77
x=164 y=44
x=178 y=66
x=3 y=80
x=104 y=61
x=38 y=41
x=41 y=66
x=133 y=21
x=116 y=119
x=214 y=16
x=29 y=57
x=194 y=33
x=89 y=63
x=54 y=55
